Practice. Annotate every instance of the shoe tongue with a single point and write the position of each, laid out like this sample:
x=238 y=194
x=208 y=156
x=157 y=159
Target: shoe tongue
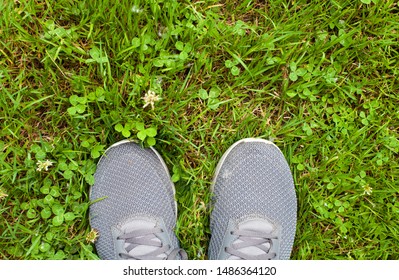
x=258 y=225
x=141 y=250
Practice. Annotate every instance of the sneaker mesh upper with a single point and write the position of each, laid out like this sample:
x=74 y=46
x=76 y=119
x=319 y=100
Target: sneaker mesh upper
x=254 y=180
x=133 y=182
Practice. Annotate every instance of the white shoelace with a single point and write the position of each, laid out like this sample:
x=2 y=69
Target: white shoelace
x=147 y=237
x=246 y=239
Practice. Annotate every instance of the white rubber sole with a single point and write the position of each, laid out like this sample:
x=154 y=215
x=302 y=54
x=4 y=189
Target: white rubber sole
x=245 y=140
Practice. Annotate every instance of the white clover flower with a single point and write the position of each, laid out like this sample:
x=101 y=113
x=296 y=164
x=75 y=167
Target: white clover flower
x=162 y=30
x=92 y=236
x=149 y=98
x=43 y=165
x=2 y=194
x=136 y=9
x=367 y=190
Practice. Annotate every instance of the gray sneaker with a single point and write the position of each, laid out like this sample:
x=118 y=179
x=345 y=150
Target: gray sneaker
x=133 y=206
x=254 y=203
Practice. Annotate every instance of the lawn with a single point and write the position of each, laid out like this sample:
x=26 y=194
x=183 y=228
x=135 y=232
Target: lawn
x=319 y=78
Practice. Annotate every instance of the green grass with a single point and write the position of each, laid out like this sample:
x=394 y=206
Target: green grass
x=317 y=77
